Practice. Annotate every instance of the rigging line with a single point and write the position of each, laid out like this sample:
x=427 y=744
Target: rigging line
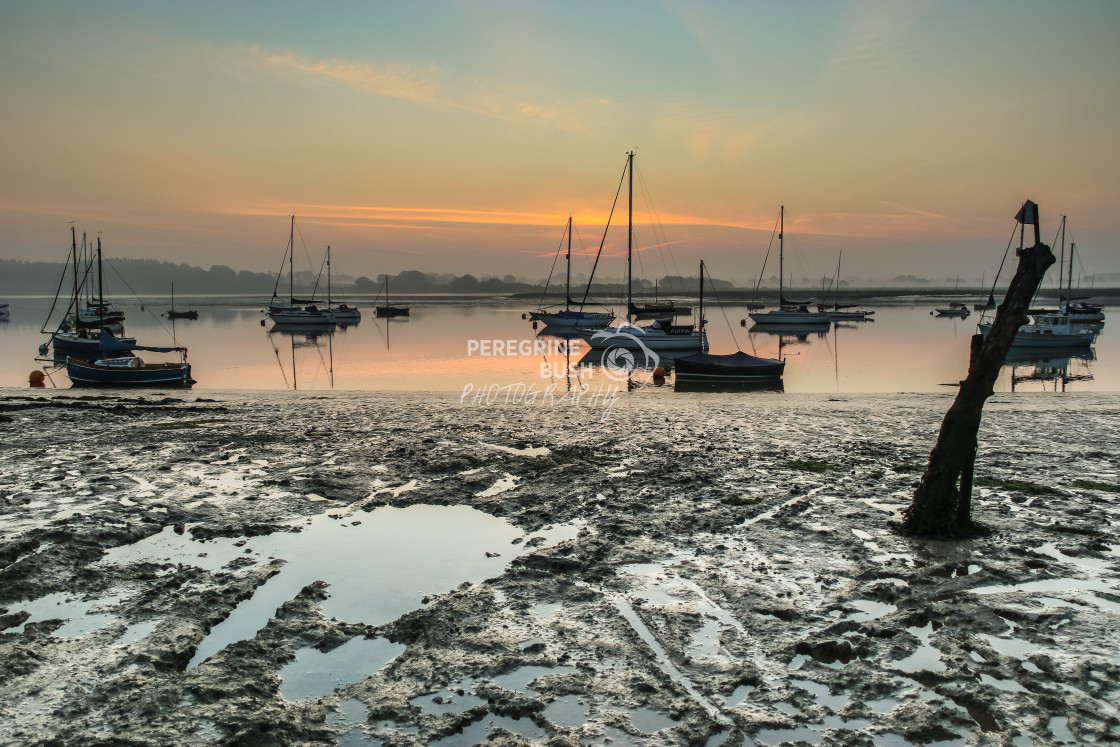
x=582 y=244
x=992 y=292
x=621 y=181
x=315 y=289
x=306 y=255
x=655 y=220
x=723 y=310
x=555 y=259
x=283 y=261
x=762 y=272
x=61 y=280
x=276 y=350
x=137 y=297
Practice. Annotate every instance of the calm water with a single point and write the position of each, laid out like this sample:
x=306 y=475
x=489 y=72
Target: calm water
x=441 y=348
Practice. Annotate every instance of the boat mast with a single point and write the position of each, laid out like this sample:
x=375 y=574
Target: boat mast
x=291 y=266
x=74 y=252
x=1069 y=283
x=701 y=303
x=328 y=277
x=1061 y=260
x=630 y=240
x=568 y=282
x=781 y=252
x=100 y=290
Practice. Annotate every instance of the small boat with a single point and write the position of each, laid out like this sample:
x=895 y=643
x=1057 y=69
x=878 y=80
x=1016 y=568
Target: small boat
x=733 y=369
x=843 y=313
x=342 y=312
x=659 y=309
x=569 y=317
x=297 y=310
x=662 y=334
x=389 y=310
x=173 y=314
x=70 y=337
x=991 y=304
x=5 y=310
x=788 y=312
x=118 y=366
x=953 y=309
x=1079 y=311
x=1049 y=331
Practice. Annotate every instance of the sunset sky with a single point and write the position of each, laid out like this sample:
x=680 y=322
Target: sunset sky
x=458 y=136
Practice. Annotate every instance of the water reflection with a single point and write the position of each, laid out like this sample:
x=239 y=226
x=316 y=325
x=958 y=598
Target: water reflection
x=304 y=337
x=906 y=350
x=1053 y=370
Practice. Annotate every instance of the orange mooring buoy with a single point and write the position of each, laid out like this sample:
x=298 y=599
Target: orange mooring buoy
x=36 y=379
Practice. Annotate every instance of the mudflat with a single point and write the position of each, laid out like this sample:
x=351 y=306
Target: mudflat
x=410 y=568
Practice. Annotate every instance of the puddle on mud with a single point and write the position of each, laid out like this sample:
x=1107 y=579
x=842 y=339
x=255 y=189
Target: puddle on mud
x=1090 y=590
x=347 y=723
x=80 y=617
x=507 y=482
x=521 y=678
x=926 y=658
x=480 y=731
x=377 y=568
x=314 y=674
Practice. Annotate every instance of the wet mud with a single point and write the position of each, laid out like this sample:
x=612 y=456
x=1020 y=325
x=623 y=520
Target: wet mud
x=677 y=569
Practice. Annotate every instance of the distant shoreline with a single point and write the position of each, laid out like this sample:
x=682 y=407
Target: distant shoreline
x=738 y=296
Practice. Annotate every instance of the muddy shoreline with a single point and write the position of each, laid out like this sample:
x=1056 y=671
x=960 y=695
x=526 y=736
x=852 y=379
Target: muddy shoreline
x=690 y=570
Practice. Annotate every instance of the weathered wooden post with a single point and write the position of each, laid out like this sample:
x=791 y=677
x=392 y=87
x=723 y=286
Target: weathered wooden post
x=942 y=504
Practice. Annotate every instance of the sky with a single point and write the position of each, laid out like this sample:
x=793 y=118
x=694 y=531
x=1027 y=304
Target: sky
x=458 y=137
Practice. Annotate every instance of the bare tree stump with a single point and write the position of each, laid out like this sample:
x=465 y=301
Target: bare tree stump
x=942 y=504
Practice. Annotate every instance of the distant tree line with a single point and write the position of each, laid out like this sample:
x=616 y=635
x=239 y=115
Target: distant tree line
x=124 y=277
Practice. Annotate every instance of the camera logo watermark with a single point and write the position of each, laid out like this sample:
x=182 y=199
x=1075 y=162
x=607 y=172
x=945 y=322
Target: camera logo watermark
x=622 y=352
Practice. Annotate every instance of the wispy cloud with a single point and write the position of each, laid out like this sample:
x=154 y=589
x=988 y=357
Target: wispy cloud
x=432 y=86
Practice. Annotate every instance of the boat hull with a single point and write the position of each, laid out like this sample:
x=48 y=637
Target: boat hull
x=637 y=337
x=737 y=368
x=391 y=311
x=1047 y=338
x=300 y=316
x=98 y=373
x=778 y=316
x=571 y=319
x=834 y=316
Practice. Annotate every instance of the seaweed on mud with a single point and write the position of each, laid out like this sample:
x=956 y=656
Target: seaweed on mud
x=810 y=465
x=1104 y=487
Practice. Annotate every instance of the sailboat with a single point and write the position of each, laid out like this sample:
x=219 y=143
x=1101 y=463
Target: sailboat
x=846 y=313
x=568 y=317
x=342 y=312
x=657 y=309
x=662 y=334
x=955 y=308
x=736 y=368
x=70 y=337
x=97 y=312
x=296 y=311
x=788 y=312
x=1077 y=310
x=116 y=364
x=1048 y=329
x=173 y=314
x=388 y=310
